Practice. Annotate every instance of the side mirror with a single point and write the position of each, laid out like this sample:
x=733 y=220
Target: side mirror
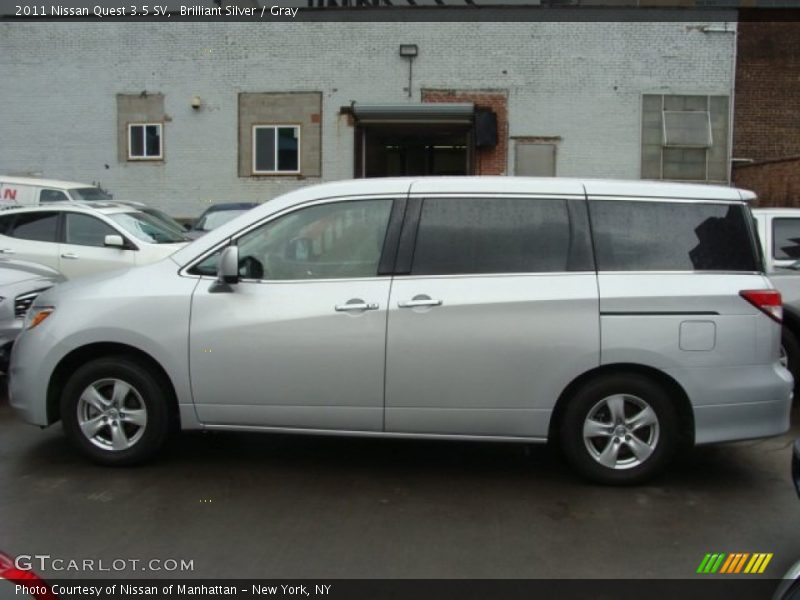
x=114 y=241
x=228 y=267
x=187 y=226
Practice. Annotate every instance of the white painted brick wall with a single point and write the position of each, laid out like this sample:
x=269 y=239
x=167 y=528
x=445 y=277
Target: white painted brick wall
x=580 y=81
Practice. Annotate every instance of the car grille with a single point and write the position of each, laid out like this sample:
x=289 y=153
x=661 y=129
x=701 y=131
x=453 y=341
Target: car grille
x=23 y=302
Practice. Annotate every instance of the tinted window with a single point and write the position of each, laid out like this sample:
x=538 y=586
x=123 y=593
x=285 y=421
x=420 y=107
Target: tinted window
x=664 y=236
x=786 y=239
x=87 y=231
x=339 y=240
x=52 y=196
x=492 y=235
x=38 y=226
x=5 y=223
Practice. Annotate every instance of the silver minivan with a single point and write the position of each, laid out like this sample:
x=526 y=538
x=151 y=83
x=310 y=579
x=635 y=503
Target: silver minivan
x=622 y=320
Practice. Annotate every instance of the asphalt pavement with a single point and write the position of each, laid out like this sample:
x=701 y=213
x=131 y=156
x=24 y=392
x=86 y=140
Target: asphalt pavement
x=264 y=505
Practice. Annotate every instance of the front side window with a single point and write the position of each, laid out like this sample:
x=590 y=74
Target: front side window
x=276 y=149
x=786 y=239
x=36 y=226
x=665 y=236
x=492 y=235
x=52 y=196
x=341 y=240
x=84 y=230
x=144 y=141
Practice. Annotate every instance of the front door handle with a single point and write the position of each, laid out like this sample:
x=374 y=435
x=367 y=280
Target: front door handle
x=69 y=255
x=6 y=251
x=355 y=304
x=417 y=301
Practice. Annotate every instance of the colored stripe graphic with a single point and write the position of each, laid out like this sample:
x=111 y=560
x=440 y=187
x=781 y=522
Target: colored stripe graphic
x=711 y=563
x=727 y=564
x=734 y=563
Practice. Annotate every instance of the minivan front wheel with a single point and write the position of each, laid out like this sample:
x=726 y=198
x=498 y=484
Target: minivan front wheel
x=619 y=429
x=115 y=411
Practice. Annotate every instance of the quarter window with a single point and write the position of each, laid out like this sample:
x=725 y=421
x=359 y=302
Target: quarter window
x=84 y=230
x=786 y=239
x=664 y=236
x=492 y=235
x=276 y=149
x=37 y=226
x=327 y=241
x=144 y=141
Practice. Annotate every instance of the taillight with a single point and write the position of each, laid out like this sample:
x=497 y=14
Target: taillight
x=767 y=301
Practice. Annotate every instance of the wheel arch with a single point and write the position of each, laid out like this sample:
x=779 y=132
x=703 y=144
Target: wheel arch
x=791 y=320
x=673 y=388
x=83 y=354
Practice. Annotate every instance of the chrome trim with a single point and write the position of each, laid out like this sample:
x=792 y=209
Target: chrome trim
x=377 y=434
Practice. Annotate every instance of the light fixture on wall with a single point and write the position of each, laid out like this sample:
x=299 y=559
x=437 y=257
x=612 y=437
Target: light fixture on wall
x=196 y=102
x=409 y=52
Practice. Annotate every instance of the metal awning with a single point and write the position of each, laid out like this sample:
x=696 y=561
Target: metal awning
x=424 y=112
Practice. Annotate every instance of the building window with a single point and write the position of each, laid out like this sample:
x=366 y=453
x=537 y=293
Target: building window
x=685 y=138
x=144 y=141
x=535 y=158
x=276 y=149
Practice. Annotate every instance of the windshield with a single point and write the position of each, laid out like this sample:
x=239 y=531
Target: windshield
x=165 y=220
x=214 y=219
x=146 y=228
x=89 y=193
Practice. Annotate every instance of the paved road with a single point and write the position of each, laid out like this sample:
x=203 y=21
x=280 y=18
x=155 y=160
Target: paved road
x=242 y=505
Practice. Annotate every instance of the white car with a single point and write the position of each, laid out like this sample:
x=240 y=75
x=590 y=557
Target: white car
x=80 y=238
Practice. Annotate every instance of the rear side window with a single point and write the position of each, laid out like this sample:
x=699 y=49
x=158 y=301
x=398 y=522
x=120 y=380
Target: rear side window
x=671 y=236
x=37 y=226
x=786 y=239
x=5 y=222
x=492 y=235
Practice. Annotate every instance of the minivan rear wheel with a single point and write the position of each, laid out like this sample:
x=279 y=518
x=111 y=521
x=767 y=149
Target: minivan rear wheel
x=619 y=429
x=114 y=409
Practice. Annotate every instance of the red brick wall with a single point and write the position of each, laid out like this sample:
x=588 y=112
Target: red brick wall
x=488 y=161
x=777 y=182
x=767 y=102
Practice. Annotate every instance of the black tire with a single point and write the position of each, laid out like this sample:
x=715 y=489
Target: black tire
x=148 y=390
x=664 y=438
x=791 y=347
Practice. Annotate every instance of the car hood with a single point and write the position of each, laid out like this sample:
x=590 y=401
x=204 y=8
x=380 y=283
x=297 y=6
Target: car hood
x=15 y=271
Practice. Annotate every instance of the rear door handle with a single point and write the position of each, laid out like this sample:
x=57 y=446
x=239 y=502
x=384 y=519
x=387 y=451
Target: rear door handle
x=69 y=255
x=356 y=305
x=6 y=251
x=419 y=301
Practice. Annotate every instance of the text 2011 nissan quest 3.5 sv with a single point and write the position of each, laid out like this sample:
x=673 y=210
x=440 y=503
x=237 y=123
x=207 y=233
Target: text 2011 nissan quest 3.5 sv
x=622 y=320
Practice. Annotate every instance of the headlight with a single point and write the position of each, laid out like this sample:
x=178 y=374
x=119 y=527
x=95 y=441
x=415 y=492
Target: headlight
x=36 y=315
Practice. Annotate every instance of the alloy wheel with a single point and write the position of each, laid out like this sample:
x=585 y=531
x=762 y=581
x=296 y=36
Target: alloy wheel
x=112 y=414
x=621 y=431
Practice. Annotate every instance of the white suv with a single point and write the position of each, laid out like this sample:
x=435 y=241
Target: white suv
x=79 y=239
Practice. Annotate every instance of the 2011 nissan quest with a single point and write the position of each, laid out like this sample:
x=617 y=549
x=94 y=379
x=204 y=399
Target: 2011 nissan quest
x=622 y=320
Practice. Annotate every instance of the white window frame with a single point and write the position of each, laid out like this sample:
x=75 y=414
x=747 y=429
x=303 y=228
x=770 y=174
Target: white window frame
x=276 y=127
x=664 y=139
x=160 y=155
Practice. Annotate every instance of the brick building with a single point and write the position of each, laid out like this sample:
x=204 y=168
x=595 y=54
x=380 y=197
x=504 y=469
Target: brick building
x=179 y=115
x=766 y=150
